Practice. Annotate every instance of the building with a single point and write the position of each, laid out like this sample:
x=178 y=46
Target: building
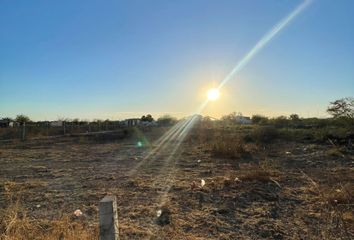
x=4 y=123
x=42 y=124
x=243 y=120
x=58 y=123
x=131 y=122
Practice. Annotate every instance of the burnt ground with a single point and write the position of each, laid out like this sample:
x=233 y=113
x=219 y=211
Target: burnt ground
x=285 y=190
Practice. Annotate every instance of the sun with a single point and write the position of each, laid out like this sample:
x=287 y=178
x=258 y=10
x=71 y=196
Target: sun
x=213 y=94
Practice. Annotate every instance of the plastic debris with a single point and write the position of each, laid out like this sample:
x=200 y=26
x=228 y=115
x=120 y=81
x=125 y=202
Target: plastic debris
x=198 y=161
x=38 y=206
x=287 y=153
x=237 y=179
x=202 y=183
x=164 y=216
x=78 y=213
x=158 y=213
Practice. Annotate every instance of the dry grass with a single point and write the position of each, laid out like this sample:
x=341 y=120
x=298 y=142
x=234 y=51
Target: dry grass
x=335 y=152
x=341 y=195
x=231 y=147
x=15 y=224
x=260 y=194
x=260 y=175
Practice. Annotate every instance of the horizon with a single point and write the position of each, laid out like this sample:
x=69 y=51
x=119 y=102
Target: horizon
x=123 y=59
x=156 y=117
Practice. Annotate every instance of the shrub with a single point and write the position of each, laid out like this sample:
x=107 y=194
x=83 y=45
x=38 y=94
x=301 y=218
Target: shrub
x=228 y=147
x=166 y=121
x=259 y=119
x=265 y=134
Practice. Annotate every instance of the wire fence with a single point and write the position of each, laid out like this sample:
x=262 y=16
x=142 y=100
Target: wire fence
x=30 y=131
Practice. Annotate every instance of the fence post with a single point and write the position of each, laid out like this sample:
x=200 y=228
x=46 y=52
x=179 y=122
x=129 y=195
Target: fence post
x=23 y=131
x=64 y=128
x=109 y=218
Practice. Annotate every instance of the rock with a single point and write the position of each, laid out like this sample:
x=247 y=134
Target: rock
x=163 y=216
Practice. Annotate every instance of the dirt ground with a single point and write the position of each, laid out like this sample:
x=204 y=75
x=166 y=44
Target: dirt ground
x=284 y=190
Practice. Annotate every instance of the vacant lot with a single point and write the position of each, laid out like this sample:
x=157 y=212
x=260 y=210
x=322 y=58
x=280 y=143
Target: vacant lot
x=282 y=190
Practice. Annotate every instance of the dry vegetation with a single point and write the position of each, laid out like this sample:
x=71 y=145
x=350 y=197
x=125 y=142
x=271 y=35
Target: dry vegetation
x=260 y=183
x=15 y=222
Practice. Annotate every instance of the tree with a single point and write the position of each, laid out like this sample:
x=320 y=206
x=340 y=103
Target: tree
x=21 y=119
x=7 y=119
x=166 y=120
x=280 y=121
x=259 y=119
x=230 y=118
x=343 y=107
x=147 y=118
x=294 y=117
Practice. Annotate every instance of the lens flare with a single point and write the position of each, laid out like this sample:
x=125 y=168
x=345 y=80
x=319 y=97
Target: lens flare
x=264 y=41
x=173 y=138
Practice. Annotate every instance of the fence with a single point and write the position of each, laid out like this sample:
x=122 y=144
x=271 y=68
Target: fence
x=25 y=131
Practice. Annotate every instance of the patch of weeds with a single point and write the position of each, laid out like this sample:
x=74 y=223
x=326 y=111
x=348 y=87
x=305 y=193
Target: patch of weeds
x=229 y=148
x=265 y=134
x=260 y=175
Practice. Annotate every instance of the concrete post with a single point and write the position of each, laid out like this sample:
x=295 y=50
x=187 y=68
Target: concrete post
x=109 y=218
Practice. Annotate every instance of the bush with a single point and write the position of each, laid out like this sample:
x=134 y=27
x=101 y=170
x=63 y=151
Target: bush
x=280 y=122
x=264 y=134
x=166 y=121
x=230 y=147
x=259 y=119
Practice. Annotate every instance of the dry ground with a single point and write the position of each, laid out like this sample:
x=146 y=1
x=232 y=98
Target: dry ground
x=284 y=190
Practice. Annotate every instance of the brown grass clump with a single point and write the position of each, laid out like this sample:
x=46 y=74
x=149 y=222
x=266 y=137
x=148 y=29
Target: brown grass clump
x=265 y=134
x=15 y=224
x=229 y=148
x=335 y=152
x=259 y=175
x=343 y=195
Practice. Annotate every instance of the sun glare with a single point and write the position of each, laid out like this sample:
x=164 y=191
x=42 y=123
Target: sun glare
x=213 y=94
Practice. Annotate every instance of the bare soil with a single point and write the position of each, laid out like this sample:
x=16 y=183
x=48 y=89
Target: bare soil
x=284 y=190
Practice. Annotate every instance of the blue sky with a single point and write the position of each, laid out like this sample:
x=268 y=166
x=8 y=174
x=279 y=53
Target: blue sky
x=117 y=59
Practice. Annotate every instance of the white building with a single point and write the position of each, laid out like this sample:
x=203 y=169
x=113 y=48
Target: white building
x=243 y=120
x=58 y=123
x=132 y=122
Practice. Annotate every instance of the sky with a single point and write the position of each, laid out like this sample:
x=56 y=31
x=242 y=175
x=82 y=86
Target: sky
x=118 y=59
